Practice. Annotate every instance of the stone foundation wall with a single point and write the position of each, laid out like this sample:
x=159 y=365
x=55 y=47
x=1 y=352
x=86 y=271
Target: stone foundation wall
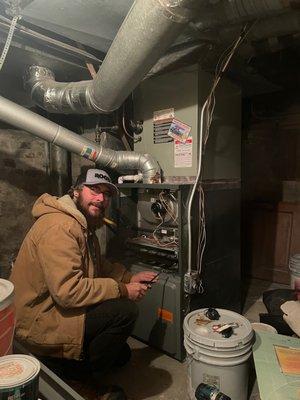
x=23 y=178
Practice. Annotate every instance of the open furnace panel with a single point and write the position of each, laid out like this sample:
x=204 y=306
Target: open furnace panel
x=146 y=239
x=156 y=216
x=152 y=224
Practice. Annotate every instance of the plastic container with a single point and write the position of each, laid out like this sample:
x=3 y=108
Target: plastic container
x=19 y=377
x=214 y=359
x=7 y=317
x=294 y=266
x=261 y=327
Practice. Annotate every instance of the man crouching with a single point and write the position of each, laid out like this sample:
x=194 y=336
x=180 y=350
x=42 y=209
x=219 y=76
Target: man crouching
x=71 y=304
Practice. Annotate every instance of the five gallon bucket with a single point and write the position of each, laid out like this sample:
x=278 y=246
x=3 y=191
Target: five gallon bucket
x=7 y=317
x=19 y=377
x=294 y=266
x=217 y=360
x=261 y=327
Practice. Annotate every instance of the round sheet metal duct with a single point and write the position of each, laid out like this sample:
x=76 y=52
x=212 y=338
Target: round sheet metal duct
x=148 y=30
x=37 y=125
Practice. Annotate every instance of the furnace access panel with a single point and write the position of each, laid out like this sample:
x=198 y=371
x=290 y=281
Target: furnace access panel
x=152 y=222
x=152 y=233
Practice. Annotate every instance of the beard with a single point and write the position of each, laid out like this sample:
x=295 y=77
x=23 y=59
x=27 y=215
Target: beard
x=93 y=217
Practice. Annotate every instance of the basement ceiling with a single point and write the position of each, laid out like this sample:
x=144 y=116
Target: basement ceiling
x=91 y=22
x=90 y=26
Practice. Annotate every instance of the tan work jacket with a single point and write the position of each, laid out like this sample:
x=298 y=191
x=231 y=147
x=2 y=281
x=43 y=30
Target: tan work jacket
x=55 y=279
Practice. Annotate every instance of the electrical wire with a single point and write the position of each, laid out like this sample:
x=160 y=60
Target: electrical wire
x=159 y=242
x=156 y=229
x=49 y=41
x=125 y=129
x=219 y=70
x=156 y=240
x=206 y=117
x=169 y=211
x=202 y=238
x=172 y=215
x=199 y=267
x=8 y=39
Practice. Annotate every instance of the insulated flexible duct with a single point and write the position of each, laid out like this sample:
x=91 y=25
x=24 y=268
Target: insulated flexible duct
x=37 y=125
x=148 y=30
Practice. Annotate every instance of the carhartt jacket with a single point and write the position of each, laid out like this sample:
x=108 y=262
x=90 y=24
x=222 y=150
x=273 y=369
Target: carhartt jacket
x=56 y=279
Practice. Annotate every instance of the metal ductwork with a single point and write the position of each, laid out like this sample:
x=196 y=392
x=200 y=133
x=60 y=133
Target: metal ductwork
x=224 y=12
x=280 y=25
x=150 y=27
x=37 y=125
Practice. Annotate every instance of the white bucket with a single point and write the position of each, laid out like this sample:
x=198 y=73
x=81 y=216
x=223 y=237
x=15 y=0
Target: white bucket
x=261 y=327
x=19 y=377
x=294 y=266
x=215 y=360
x=7 y=317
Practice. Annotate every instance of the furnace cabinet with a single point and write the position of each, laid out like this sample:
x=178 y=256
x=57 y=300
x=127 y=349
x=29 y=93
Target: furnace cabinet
x=153 y=238
x=162 y=310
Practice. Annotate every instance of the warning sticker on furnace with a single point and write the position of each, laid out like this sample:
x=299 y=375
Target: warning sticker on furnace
x=179 y=130
x=89 y=153
x=183 y=153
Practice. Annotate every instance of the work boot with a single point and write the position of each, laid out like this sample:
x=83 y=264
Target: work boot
x=67 y=369
x=111 y=392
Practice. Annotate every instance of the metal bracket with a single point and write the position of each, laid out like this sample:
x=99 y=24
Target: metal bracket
x=191 y=282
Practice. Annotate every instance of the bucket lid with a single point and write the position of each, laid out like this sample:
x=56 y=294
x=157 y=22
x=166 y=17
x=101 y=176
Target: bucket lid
x=6 y=290
x=294 y=264
x=261 y=327
x=202 y=330
x=17 y=369
x=295 y=259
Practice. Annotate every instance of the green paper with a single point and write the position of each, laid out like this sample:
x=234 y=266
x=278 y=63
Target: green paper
x=272 y=383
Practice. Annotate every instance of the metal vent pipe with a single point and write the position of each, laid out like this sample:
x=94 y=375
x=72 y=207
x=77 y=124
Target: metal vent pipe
x=148 y=30
x=146 y=33
x=224 y=12
x=37 y=125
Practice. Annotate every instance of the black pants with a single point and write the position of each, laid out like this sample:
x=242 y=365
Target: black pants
x=107 y=328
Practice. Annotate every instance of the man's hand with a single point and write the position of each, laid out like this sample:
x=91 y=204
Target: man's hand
x=144 y=277
x=136 y=290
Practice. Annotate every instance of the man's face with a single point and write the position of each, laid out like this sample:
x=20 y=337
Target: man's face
x=92 y=200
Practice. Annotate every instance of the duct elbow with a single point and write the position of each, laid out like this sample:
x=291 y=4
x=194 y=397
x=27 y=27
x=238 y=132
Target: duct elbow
x=152 y=24
x=124 y=161
x=58 y=97
x=150 y=169
x=36 y=80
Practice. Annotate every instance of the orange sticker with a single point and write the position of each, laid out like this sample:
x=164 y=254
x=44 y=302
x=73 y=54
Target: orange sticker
x=165 y=314
x=289 y=359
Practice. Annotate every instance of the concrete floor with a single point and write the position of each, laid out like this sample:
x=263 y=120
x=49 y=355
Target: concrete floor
x=153 y=375
x=253 y=293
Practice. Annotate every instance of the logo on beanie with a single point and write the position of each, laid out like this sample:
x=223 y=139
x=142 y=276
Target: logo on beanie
x=101 y=176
